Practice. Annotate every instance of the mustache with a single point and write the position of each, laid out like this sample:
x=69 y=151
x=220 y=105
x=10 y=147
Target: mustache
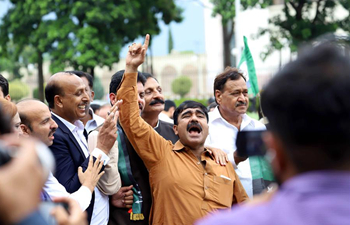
x=240 y=103
x=194 y=124
x=52 y=131
x=157 y=100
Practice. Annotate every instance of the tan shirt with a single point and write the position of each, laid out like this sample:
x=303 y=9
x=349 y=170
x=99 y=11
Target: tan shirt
x=110 y=182
x=182 y=189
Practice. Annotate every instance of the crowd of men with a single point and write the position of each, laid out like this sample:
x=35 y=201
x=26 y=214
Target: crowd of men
x=150 y=162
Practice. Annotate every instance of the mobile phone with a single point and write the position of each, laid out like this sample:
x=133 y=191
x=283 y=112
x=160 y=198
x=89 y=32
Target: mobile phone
x=45 y=209
x=250 y=143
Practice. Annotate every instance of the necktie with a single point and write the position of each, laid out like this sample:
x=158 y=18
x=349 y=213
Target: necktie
x=85 y=134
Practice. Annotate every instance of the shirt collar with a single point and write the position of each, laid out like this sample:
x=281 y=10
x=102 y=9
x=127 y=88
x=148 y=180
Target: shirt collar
x=246 y=120
x=178 y=146
x=156 y=125
x=78 y=125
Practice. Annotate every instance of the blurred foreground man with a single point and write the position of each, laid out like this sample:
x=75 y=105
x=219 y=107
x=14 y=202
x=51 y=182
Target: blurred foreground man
x=186 y=183
x=308 y=108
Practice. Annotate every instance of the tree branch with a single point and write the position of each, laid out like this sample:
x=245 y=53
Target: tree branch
x=293 y=5
x=317 y=11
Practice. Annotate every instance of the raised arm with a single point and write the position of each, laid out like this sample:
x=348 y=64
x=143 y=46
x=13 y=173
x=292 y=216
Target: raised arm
x=149 y=145
x=110 y=182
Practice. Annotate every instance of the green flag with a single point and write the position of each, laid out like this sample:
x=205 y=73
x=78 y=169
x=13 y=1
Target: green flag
x=252 y=81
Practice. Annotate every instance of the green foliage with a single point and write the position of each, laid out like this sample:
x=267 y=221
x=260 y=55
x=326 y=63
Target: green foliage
x=302 y=21
x=181 y=85
x=227 y=10
x=181 y=100
x=170 y=41
x=98 y=88
x=18 y=90
x=80 y=34
x=36 y=92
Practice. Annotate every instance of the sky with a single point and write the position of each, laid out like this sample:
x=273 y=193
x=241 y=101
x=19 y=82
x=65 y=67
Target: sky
x=187 y=35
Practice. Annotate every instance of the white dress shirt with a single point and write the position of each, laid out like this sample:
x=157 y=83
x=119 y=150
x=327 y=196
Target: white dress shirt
x=100 y=213
x=94 y=122
x=165 y=117
x=55 y=189
x=223 y=135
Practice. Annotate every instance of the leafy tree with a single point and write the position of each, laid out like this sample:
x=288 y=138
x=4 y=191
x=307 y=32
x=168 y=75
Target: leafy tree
x=24 y=25
x=18 y=90
x=226 y=9
x=302 y=21
x=181 y=85
x=36 y=92
x=170 y=41
x=81 y=34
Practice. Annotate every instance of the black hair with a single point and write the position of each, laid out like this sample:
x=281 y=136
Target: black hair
x=230 y=73
x=80 y=74
x=116 y=79
x=4 y=84
x=212 y=105
x=95 y=107
x=308 y=107
x=189 y=105
x=148 y=75
x=168 y=104
x=5 y=121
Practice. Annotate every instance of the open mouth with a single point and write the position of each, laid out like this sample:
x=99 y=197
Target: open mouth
x=82 y=107
x=194 y=128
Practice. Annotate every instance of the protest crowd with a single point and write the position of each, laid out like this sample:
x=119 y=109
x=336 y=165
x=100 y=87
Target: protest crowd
x=152 y=162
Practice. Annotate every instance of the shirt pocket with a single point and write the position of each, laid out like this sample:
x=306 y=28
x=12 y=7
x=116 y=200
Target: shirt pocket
x=222 y=191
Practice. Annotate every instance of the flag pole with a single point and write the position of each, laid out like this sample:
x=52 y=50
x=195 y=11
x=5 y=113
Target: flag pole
x=237 y=36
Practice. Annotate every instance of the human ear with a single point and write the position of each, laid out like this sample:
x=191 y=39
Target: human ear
x=175 y=129
x=25 y=130
x=112 y=98
x=218 y=96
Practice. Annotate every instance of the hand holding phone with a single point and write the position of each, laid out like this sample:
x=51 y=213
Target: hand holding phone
x=250 y=143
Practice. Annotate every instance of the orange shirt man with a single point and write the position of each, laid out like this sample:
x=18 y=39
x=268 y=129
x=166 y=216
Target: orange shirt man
x=186 y=183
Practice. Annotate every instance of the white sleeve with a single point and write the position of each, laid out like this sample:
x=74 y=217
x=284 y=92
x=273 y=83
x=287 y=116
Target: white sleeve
x=96 y=152
x=83 y=196
x=55 y=189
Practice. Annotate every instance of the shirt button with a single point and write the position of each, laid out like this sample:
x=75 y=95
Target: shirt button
x=198 y=163
x=205 y=174
x=206 y=188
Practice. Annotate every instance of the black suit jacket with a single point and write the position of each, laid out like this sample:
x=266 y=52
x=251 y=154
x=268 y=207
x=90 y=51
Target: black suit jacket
x=69 y=156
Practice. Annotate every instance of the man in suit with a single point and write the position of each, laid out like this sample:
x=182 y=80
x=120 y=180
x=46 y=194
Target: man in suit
x=67 y=97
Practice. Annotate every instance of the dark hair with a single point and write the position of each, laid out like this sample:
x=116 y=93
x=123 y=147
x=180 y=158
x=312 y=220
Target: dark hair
x=189 y=105
x=116 y=79
x=308 y=107
x=95 y=107
x=83 y=74
x=4 y=84
x=168 y=104
x=212 y=105
x=221 y=79
x=5 y=121
x=148 y=75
